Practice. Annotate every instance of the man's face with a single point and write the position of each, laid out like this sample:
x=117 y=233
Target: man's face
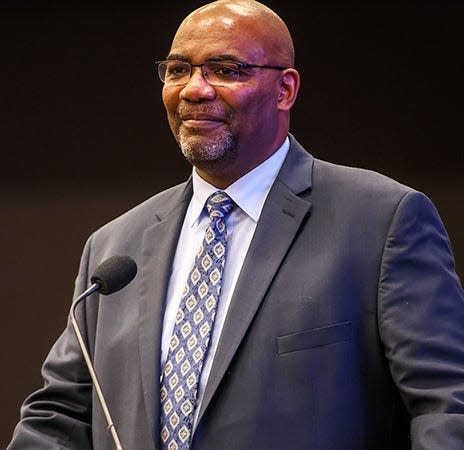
x=223 y=128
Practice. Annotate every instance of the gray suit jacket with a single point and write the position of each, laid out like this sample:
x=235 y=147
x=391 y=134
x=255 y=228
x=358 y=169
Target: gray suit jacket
x=345 y=331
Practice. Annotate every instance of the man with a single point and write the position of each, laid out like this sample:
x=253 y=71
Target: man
x=339 y=324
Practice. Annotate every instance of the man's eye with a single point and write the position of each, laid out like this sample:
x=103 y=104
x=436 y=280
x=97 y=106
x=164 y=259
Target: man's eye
x=225 y=71
x=176 y=71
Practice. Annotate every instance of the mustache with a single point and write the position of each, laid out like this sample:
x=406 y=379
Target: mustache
x=186 y=109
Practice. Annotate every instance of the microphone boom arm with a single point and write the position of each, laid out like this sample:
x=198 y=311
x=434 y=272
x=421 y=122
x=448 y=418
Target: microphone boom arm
x=88 y=361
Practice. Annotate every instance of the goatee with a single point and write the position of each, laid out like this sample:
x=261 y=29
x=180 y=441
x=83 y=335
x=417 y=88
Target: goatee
x=205 y=151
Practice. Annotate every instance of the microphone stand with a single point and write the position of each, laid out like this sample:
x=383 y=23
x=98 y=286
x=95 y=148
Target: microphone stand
x=88 y=361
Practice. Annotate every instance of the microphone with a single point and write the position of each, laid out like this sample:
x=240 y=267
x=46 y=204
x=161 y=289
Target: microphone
x=110 y=276
x=114 y=273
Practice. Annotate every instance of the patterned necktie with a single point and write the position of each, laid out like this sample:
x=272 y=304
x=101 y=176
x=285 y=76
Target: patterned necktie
x=192 y=329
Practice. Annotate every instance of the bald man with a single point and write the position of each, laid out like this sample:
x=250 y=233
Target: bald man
x=317 y=308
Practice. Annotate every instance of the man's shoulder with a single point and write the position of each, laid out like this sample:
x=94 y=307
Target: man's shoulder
x=337 y=178
x=330 y=178
x=150 y=211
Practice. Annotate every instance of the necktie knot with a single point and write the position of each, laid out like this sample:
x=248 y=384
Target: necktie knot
x=219 y=205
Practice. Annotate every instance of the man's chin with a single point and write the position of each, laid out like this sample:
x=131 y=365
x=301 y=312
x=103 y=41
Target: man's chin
x=204 y=148
x=199 y=155
x=196 y=141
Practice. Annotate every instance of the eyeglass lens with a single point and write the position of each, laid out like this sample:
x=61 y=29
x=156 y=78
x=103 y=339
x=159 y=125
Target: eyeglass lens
x=216 y=73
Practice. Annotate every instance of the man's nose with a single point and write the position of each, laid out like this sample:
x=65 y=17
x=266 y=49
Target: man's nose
x=197 y=87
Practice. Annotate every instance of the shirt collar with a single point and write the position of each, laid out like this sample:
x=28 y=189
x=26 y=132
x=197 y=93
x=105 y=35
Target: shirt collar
x=249 y=192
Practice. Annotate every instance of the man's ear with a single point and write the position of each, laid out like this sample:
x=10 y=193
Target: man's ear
x=290 y=84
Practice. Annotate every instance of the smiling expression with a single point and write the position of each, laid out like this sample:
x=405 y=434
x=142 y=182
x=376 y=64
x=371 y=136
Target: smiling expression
x=225 y=131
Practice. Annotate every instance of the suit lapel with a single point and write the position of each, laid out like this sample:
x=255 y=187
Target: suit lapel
x=280 y=220
x=158 y=249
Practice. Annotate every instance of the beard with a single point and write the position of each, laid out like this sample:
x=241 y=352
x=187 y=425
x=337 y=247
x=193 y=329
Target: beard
x=208 y=152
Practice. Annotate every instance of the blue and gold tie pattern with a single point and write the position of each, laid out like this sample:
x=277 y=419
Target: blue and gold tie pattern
x=192 y=329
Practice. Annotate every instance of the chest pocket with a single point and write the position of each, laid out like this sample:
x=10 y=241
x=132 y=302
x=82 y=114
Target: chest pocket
x=316 y=337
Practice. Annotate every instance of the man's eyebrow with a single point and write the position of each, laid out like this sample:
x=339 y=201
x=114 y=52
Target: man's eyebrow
x=177 y=57
x=224 y=57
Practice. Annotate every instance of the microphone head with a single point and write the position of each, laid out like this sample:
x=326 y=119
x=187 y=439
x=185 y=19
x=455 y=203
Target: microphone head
x=114 y=273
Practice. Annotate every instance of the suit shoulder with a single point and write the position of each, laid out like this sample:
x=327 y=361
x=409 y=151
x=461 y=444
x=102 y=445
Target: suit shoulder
x=361 y=190
x=340 y=178
x=148 y=212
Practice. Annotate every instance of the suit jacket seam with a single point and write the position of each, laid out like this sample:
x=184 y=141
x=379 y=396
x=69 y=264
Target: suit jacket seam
x=390 y=231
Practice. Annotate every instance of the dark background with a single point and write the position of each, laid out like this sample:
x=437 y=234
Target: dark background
x=83 y=133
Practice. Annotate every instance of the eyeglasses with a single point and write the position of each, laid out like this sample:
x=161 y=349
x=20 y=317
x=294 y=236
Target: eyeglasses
x=217 y=73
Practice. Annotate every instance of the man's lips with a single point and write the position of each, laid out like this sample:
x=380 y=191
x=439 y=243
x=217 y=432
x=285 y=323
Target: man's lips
x=201 y=120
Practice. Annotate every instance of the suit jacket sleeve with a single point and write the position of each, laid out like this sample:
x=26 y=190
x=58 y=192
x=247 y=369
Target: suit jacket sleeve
x=58 y=416
x=421 y=321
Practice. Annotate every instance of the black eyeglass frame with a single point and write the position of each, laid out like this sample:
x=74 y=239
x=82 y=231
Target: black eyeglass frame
x=240 y=65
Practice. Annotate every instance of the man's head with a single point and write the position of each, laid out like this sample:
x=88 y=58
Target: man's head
x=230 y=126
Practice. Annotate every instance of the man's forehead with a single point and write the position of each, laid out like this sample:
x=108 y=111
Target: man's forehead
x=232 y=57
x=236 y=44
